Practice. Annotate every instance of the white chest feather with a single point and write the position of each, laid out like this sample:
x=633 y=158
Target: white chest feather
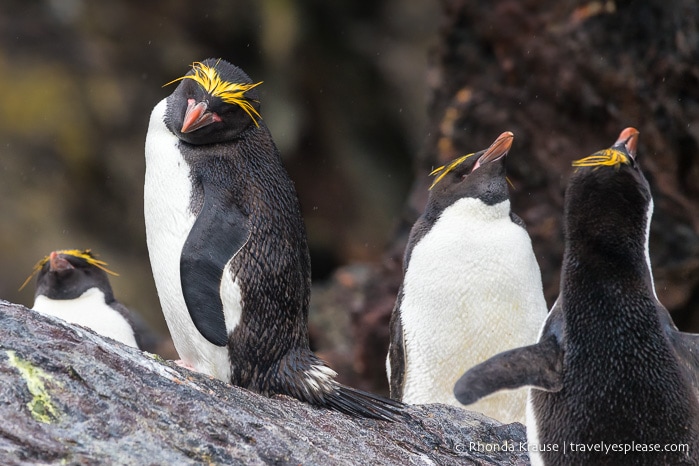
x=472 y=289
x=167 y=196
x=89 y=310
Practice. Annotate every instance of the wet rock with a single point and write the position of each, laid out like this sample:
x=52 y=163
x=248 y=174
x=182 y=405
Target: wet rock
x=68 y=395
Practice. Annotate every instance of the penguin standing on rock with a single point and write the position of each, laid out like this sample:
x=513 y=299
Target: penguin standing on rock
x=73 y=285
x=228 y=245
x=471 y=288
x=614 y=381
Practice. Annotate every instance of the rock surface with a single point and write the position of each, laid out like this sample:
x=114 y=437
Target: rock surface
x=70 y=396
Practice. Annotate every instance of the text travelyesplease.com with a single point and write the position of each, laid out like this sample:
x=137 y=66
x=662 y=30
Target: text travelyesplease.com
x=571 y=447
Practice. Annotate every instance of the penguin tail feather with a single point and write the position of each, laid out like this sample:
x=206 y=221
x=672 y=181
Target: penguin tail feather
x=307 y=378
x=359 y=403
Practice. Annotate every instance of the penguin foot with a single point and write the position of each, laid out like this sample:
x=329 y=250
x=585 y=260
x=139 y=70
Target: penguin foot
x=186 y=365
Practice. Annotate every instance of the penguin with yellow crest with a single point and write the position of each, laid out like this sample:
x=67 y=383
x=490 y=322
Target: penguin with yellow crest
x=612 y=379
x=228 y=245
x=73 y=285
x=471 y=287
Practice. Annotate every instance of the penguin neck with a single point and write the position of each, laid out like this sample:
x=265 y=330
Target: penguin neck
x=609 y=284
x=475 y=209
x=244 y=168
x=613 y=255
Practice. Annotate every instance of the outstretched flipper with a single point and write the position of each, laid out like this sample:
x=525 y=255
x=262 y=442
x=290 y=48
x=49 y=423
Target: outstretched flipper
x=539 y=365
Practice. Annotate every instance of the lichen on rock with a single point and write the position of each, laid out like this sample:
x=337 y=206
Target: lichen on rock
x=40 y=406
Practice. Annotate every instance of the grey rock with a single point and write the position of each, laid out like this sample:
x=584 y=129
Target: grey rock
x=70 y=396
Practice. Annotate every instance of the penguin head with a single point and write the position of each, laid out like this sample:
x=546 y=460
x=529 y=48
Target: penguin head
x=607 y=196
x=479 y=175
x=67 y=274
x=214 y=102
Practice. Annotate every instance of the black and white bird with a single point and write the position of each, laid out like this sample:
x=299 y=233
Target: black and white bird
x=228 y=245
x=471 y=288
x=73 y=285
x=610 y=367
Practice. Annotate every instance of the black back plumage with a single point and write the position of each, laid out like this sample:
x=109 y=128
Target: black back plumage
x=262 y=228
x=622 y=379
x=247 y=209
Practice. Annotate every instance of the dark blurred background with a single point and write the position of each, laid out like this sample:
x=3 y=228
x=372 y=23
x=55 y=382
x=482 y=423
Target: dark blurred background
x=344 y=95
x=363 y=99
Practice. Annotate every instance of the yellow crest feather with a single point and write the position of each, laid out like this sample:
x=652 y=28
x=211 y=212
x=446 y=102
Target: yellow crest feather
x=445 y=169
x=231 y=93
x=85 y=254
x=607 y=157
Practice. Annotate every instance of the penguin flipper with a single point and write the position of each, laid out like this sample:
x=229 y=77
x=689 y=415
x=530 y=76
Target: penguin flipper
x=396 y=356
x=218 y=233
x=517 y=220
x=539 y=365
